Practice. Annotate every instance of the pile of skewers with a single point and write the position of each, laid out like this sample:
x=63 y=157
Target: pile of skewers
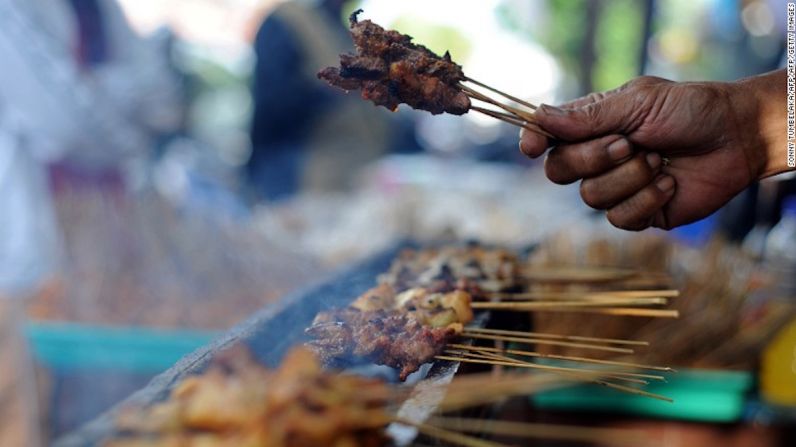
x=420 y=309
x=723 y=325
x=390 y=69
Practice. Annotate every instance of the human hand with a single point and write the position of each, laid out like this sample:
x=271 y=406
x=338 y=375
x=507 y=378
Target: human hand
x=654 y=152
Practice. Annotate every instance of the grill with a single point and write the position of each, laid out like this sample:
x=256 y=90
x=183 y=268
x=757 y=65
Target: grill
x=270 y=333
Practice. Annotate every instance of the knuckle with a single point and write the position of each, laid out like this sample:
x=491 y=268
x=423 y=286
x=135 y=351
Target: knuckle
x=588 y=156
x=636 y=212
x=644 y=81
x=590 y=194
x=616 y=219
x=593 y=112
x=622 y=220
x=553 y=168
x=623 y=223
x=639 y=168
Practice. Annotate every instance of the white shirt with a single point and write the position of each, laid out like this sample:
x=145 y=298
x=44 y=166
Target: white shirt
x=50 y=109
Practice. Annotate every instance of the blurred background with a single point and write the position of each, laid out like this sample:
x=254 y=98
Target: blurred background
x=168 y=167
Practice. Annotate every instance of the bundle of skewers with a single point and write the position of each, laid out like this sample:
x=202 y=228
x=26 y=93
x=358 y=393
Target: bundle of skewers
x=390 y=70
x=299 y=404
x=726 y=320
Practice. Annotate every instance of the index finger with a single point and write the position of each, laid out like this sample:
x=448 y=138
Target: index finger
x=534 y=145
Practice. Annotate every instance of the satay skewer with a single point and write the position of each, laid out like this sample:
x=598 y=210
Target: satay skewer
x=626 y=311
x=616 y=386
x=557 y=336
x=581 y=274
x=449 y=436
x=471 y=358
x=510 y=119
x=515 y=116
x=613 y=436
x=532 y=341
x=503 y=94
x=600 y=294
x=608 y=374
x=568 y=358
x=475 y=94
x=533 y=305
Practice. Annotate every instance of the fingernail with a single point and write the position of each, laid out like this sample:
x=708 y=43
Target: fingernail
x=551 y=110
x=654 y=160
x=619 y=150
x=665 y=183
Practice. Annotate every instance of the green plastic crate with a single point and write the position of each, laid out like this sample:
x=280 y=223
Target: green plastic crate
x=699 y=395
x=69 y=346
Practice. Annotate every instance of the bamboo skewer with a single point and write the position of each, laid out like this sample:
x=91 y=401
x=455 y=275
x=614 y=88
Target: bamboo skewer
x=483 y=389
x=505 y=361
x=615 y=436
x=557 y=336
x=532 y=305
x=475 y=94
x=534 y=341
x=568 y=358
x=584 y=375
x=597 y=381
x=542 y=295
x=629 y=311
x=508 y=361
x=505 y=117
x=578 y=274
x=511 y=119
x=607 y=373
x=623 y=311
x=498 y=114
x=503 y=94
x=514 y=116
x=449 y=435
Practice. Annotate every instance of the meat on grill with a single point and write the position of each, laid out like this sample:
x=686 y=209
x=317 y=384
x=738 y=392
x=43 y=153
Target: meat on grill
x=389 y=70
x=385 y=337
x=473 y=269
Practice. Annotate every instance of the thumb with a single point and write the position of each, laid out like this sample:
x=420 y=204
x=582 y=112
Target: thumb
x=605 y=116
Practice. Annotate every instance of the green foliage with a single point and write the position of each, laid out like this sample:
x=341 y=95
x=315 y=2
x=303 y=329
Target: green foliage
x=618 y=43
x=563 y=33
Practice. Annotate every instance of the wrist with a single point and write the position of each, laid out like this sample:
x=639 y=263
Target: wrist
x=768 y=118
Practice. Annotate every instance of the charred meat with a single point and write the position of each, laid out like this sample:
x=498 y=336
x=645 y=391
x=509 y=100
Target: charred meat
x=401 y=330
x=385 y=337
x=389 y=70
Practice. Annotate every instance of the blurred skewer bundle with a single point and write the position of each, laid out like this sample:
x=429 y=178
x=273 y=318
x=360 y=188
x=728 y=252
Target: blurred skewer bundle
x=722 y=324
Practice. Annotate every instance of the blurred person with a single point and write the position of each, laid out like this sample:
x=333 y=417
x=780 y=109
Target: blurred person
x=663 y=154
x=80 y=89
x=76 y=84
x=305 y=135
